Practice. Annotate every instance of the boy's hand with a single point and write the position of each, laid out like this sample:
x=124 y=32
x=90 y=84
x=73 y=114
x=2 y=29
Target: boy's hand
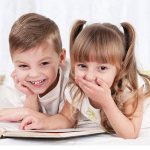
x=14 y=114
x=34 y=122
x=20 y=85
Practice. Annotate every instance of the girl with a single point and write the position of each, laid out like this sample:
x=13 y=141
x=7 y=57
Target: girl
x=103 y=85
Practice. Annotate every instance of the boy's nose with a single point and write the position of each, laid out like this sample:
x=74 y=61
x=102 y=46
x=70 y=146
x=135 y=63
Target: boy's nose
x=34 y=73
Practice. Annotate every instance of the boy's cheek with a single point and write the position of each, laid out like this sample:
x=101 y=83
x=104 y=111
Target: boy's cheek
x=20 y=75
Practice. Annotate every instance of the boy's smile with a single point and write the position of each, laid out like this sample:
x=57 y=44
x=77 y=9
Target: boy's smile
x=37 y=68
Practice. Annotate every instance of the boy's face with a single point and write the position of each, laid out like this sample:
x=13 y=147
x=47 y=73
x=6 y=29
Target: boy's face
x=37 y=68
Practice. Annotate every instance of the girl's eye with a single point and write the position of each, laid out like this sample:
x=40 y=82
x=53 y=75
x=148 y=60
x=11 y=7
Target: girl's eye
x=103 y=68
x=81 y=65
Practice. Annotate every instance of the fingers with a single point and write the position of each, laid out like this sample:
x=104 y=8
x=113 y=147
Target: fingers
x=99 y=83
x=28 y=123
x=13 y=74
x=87 y=86
x=24 y=89
x=21 y=85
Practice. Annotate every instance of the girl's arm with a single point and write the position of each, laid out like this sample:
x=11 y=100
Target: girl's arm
x=123 y=126
x=100 y=96
x=59 y=121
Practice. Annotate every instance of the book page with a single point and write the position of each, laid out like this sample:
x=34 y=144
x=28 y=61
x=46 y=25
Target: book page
x=11 y=129
x=10 y=126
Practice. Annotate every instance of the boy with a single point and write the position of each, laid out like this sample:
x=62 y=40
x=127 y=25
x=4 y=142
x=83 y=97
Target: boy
x=38 y=57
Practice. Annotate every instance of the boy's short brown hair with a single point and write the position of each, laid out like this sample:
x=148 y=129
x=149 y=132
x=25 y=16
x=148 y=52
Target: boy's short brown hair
x=31 y=30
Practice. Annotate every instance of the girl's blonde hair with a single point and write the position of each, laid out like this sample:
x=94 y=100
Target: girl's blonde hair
x=105 y=43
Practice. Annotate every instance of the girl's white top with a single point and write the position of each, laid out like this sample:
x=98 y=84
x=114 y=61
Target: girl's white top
x=89 y=116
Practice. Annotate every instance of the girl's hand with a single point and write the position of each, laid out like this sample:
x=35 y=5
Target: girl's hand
x=99 y=93
x=20 y=85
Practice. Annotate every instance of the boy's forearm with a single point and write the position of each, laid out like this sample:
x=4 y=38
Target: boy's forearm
x=58 y=122
x=32 y=102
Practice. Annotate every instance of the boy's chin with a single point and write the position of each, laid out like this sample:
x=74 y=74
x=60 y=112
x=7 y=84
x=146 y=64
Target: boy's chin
x=39 y=92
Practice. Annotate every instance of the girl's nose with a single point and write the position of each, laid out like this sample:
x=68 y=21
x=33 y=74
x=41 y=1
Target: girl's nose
x=90 y=76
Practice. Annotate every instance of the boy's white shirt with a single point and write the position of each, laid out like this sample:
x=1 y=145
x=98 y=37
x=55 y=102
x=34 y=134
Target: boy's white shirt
x=52 y=102
x=10 y=97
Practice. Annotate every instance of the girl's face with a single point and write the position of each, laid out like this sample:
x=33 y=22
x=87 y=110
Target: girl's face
x=38 y=67
x=91 y=71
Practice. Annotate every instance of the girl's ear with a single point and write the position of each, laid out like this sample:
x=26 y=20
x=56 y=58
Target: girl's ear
x=62 y=57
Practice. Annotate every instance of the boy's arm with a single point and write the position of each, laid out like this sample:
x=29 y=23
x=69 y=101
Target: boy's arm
x=32 y=102
x=62 y=120
x=15 y=114
x=31 y=106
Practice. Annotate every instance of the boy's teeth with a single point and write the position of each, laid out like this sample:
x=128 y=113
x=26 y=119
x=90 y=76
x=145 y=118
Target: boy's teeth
x=37 y=82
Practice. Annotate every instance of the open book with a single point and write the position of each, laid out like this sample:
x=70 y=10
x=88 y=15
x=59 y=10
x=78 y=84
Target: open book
x=12 y=130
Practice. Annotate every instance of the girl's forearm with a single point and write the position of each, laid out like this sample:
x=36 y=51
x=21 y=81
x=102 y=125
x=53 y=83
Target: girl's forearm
x=123 y=126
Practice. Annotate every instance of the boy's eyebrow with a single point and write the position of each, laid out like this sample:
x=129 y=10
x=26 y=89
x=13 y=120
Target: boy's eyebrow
x=19 y=61
x=45 y=58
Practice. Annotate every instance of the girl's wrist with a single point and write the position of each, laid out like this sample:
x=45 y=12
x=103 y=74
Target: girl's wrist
x=107 y=106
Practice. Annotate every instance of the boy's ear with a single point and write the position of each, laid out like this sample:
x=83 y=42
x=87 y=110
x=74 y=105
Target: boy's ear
x=63 y=56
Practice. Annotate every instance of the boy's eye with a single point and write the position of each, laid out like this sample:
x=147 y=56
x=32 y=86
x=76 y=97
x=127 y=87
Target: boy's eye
x=23 y=66
x=44 y=63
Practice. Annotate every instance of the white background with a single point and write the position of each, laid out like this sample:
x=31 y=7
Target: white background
x=65 y=12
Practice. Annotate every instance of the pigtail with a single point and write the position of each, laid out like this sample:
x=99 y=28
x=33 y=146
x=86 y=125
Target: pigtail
x=129 y=62
x=76 y=93
x=76 y=29
x=127 y=77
